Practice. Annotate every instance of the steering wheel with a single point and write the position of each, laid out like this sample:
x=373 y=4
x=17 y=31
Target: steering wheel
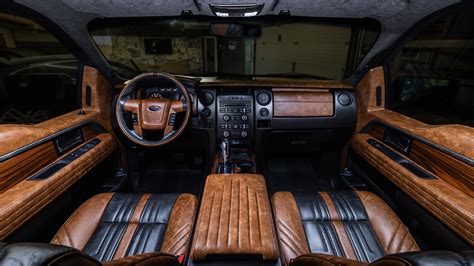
x=152 y=115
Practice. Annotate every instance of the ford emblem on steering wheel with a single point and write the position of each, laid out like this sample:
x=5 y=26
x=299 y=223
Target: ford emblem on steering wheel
x=154 y=108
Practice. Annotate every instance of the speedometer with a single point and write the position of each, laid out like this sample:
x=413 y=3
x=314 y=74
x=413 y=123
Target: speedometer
x=155 y=95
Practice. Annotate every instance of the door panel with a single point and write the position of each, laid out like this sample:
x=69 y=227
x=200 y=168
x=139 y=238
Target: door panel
x=443 y=153
x=38 y=163
x=452 y=168
x=448 y=203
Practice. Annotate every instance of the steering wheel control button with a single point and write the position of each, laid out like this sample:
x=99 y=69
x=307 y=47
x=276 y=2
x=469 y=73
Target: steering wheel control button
x=206 y=112
x=135 y=118
x=226 y=134
x=344 y=99
x=264 y=112
x=244 y=134
x=172 y=120
x=226 y=117
x=263 y=98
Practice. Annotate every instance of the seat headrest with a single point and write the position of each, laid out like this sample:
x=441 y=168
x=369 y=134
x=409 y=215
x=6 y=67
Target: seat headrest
x=42 y=254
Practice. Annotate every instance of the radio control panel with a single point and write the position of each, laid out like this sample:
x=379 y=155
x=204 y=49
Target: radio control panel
x=235 y=118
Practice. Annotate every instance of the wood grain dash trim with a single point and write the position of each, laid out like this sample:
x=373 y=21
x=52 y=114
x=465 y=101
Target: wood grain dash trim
x=302 y=104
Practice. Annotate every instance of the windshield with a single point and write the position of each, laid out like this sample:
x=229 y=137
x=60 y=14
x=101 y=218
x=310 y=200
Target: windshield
x=287 y=47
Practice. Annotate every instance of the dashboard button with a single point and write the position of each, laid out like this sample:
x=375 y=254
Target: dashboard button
x=244 y=134
x=226 y=118
x=206 y=112
x=226 y=134
x=344 y=99
x=264 y=112
x=244 y=117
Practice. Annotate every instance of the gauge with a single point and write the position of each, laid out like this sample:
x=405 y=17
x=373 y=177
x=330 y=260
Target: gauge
x=191 y=96
x=155 y=95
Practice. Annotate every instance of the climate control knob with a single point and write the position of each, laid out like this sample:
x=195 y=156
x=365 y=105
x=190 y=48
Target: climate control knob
x=263 y=98
x=226 y=118
x=206 y=112
x=244 y=117
x=226 y=134
x=244 y=134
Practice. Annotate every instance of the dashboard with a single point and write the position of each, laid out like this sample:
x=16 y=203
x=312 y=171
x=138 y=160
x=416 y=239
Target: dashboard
x=244 y=112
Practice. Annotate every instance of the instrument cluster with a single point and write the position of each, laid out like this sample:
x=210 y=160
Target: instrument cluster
x=165 y=92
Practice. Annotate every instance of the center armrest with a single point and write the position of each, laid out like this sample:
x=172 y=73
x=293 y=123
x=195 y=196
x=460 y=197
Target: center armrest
x=235 y=218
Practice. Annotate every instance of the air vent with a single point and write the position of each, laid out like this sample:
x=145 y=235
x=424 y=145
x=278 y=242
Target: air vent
x=378 y=96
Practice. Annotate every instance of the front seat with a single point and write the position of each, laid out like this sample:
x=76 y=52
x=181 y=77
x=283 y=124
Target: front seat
x=348 y=224
x=115 y=226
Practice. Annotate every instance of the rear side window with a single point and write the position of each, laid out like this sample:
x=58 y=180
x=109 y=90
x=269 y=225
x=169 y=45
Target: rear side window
x=37 y=73
x=433 y=74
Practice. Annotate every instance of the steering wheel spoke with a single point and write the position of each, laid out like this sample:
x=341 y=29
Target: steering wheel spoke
x=133 y=106
x=177 y=106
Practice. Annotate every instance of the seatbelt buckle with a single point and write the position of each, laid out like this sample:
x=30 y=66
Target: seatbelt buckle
x=181 y=259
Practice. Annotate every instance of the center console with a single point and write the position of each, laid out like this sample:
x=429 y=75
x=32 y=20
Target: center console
x=235 y=222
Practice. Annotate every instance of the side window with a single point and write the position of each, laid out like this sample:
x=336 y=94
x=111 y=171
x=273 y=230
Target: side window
x=37 y=74
x=433 y=74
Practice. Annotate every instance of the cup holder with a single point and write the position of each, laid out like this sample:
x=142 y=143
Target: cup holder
x=245 y=166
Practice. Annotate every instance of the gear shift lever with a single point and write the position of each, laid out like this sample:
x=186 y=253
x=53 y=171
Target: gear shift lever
x=225 y=153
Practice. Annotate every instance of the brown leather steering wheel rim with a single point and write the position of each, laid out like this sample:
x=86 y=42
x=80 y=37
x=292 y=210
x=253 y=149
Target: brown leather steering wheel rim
x=130 y=88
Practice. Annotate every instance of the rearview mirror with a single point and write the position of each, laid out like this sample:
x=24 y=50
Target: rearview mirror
x=235 y=30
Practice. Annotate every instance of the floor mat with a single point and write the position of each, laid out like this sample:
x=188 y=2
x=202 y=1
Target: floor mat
x=295 y=175
x=171 y=173
x=176 y=181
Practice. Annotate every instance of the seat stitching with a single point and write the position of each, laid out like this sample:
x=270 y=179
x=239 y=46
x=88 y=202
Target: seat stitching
x=293 y=246
x=220 y=213
x=393 y=237
x=288 y=233
x=182 y=236
x=287 y=228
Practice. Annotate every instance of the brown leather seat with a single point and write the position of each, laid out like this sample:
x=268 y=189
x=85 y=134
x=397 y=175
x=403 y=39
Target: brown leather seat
x=113 y=226
x=349 y=224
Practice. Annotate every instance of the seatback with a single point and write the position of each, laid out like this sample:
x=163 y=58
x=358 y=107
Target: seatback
x=42 y=254
x=441 y=257
x=57 y=255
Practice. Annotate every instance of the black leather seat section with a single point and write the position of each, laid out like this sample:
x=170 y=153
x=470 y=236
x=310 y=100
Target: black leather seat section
x=351 y=224
x=115 y=225
x=434 y=258
x=42 y=254
x=148 y=235
x=321 y=234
